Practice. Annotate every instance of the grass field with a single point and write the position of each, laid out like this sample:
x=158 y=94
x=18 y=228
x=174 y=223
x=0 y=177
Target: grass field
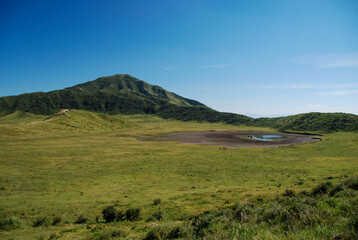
x=70 y=167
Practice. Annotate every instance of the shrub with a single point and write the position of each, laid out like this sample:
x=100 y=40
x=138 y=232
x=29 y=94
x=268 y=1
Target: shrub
x=110 y=213
x=56 y=220
x=304 y=193
x=121 y=216
x=40 y=222
x=81 y=219
x=153 y=234
x=352 y=183
x=321 y=189
x=289 y=193
x=336 y=190
x=272 y=213
x=157 y=201
x=133 y=214
x=202 y=222
x=10 y=223
x=118 y=233
x=178 y=232
x=352 y=226
x=242 y=212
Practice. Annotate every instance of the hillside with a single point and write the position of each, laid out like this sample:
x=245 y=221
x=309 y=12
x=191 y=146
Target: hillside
x=114 y=94
x=314 y=122
x=202 y=114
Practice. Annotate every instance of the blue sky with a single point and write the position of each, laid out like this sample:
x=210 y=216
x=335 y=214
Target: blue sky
x=259 y=58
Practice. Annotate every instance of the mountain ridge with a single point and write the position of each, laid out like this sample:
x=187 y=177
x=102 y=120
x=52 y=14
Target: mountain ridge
x=115 y=94
x=124 y=94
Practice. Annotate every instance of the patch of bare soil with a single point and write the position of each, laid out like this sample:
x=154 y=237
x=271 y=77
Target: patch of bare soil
x=233 y=139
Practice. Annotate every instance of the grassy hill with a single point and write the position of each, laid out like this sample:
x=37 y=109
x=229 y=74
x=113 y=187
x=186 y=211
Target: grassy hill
x=312 y=122
x=113 y=94
x=21 y=125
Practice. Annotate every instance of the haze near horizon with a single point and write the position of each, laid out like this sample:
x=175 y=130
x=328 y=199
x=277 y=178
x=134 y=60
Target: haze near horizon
x=258 y=58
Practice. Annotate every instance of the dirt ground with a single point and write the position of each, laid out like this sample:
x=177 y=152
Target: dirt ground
x=233 y=139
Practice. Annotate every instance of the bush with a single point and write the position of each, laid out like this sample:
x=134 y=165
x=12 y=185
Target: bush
x=110 y=214
x=242 y=212
x=167 y=232
x=202 y=222
x=153 y=234
x=321 y=189
x=118 y=233
x=336 y=190
x=81 y=219
x=177 y=232
x=157 y=201
x=289 y=193
x=56 y=220
x=40 y=222
x=133 y=214
x=352 y=226
x=10 y=223
x=352 y=183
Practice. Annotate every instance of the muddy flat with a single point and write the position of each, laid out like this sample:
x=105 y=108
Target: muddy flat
x=233 y=139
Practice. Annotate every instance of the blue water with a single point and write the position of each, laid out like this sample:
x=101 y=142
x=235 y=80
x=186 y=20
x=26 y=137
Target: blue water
x=266 y=137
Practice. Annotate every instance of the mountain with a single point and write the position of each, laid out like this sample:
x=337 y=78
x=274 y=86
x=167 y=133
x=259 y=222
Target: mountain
x=125 y=94
x=119 y=93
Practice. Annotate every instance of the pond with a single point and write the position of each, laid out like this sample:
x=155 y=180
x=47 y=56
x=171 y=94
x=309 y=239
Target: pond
x=233 y=139
x=267 y=137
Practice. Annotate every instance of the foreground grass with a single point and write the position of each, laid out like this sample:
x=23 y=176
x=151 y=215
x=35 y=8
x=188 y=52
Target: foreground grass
x=54 y=168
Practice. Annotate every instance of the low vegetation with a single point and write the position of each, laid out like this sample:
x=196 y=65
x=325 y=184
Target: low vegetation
x=84 y=175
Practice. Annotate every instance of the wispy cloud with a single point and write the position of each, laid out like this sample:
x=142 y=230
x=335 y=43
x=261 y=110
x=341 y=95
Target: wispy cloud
x=287 y=86
x=313 y=86
x=218 y=65
x=339 y=93
x=329 y=60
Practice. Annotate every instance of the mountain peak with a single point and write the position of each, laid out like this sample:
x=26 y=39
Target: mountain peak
x=120 y=93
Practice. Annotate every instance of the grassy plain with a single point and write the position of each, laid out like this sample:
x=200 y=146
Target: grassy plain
x=68 y=166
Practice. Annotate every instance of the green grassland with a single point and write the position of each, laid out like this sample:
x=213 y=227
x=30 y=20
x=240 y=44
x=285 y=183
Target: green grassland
x=59 y=172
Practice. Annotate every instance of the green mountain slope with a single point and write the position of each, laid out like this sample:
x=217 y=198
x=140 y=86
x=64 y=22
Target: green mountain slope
x=203 y=114
x=113 y=94
x=314 y=122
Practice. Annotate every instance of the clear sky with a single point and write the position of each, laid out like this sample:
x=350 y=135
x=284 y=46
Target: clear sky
x=259 y=58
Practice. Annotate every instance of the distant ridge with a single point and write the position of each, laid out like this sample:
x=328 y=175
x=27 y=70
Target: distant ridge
x=311 y=122
x=125 y=94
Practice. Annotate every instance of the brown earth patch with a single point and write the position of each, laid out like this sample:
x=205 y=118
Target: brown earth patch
x=233 y=139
